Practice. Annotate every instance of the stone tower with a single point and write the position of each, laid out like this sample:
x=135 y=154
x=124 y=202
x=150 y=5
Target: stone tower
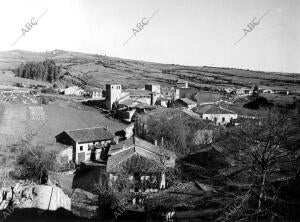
x=113 y=94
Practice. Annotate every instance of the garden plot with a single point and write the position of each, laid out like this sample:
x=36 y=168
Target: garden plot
x=36 y=113
x=13 y=124
x=16 y=97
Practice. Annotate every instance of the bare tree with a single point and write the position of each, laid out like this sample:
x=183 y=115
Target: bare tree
x=265 y=154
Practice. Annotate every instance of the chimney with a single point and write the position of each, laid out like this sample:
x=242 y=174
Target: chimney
x=106 y=127
x=155 y=142
x=162 y=141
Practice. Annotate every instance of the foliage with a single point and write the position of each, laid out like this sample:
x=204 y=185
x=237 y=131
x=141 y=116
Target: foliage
x=258 y=102
x=108 y=201
x=266 y=157
x=45 y=71
x=36 y=162
x=49 y=90
x=175 y=128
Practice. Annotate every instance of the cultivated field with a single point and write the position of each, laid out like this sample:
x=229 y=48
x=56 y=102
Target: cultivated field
x=12 y=123
x=46 y=121
x=14 y=97
x=36 y=113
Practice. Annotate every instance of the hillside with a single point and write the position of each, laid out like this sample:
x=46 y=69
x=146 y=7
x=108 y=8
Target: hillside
x=98 y=70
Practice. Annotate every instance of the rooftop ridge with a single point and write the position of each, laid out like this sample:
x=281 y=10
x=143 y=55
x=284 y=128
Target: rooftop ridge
x=85 y=128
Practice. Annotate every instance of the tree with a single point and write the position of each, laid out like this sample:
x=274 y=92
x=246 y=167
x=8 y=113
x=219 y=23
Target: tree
x=36 y=162
x=255 y=91
x=107 y=199
x=175 y=128
x=45 y=71
x=266 y=157
x=171 y=129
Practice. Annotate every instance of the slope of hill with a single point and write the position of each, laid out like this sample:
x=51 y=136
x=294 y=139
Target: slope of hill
x=99 y=70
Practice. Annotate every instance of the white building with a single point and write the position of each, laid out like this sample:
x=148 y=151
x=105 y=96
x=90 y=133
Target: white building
x=86 y=142
x=96 y=93
x=216 y=114
x=147 y=96
x=243 y=91
x=73 y=91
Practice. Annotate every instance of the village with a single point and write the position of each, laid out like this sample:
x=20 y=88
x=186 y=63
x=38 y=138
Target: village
x=149 y=111
x=130 y=151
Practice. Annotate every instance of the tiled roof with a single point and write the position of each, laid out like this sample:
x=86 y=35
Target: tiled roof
x=95 y=89
x=138 y=92
x=118 y=158
x=131 y=142
x=117 y=147
x=122 y=151
x=213 y=109
x=89 y=134
x=127 y=102
x=188 y=101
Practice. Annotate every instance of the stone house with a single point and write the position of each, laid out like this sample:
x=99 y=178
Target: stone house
x=87 y=143
x=74 y=91
x=217 y=114
x=144 y=161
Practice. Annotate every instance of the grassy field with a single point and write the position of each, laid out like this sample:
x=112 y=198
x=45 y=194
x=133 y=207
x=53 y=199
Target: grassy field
x=61 y=117
x=46 y=121
x=13 y=124
x=7 y=78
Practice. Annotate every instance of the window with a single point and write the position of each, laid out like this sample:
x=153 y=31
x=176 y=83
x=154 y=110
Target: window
x=81 y=148
x=223 y=119
x=215 y=119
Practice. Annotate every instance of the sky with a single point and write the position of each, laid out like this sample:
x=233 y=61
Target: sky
x=186 y=32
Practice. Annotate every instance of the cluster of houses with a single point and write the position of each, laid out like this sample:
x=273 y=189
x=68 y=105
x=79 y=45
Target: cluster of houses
x=92 y=92
x=125 y=104
x=99 y=153
x=245 y=91
x=102 y=156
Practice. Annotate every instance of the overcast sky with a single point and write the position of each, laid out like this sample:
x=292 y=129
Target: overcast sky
x=188 y=32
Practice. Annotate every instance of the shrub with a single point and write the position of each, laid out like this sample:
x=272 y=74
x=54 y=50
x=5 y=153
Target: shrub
x=35 y=162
